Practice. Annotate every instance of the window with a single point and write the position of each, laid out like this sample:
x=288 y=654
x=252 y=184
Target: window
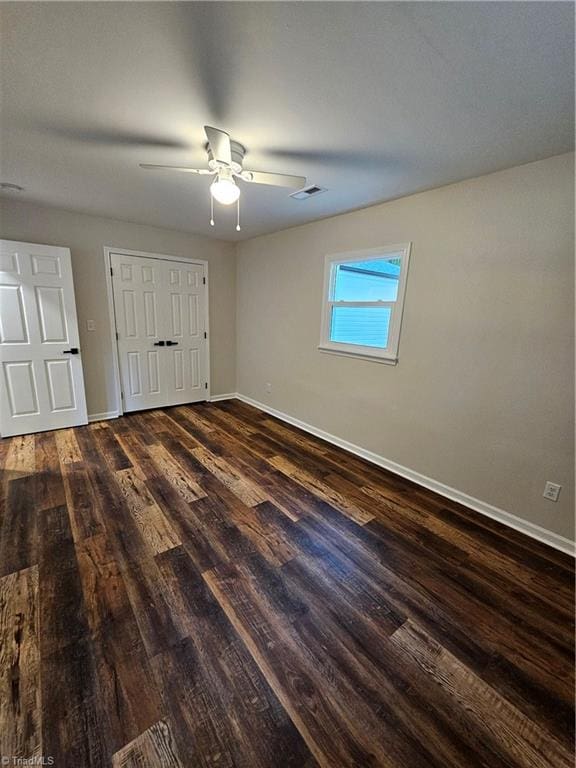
x=362 y=304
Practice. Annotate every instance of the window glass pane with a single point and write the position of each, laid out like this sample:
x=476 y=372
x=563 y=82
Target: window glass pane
x=373 y=280
x=367 y=326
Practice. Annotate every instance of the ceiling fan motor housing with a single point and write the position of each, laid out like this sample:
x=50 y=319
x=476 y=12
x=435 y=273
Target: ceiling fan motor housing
x=237 y=151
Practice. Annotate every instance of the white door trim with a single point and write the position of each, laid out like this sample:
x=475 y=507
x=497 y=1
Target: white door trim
x=108 y=251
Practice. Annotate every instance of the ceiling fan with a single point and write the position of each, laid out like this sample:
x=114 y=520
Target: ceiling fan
x=225 y=158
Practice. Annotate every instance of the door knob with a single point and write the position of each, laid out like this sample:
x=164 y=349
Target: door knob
x=71 y=351
x=159 y=343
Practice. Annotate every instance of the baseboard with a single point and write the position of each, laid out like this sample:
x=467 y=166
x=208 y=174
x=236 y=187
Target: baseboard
x=217 y=398
x=103 y=416
x=507 y=518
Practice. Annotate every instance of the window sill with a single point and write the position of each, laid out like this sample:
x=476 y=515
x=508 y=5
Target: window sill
x=359 y=355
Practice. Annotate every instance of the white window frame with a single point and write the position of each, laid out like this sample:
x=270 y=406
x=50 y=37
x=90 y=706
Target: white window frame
x=389 y=355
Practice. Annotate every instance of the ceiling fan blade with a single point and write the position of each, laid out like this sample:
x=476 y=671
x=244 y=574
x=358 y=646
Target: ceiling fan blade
x=219 y=144
x=274 y=179
x=106 y=135
x=349 y=156
x=213 y=70
x=182 y=168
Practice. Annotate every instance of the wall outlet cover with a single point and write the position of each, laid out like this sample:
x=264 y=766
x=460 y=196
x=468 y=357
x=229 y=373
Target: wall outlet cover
x=552 y=491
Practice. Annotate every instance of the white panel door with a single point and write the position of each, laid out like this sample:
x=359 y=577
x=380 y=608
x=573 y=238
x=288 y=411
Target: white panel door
x=41 y=378
x=160 y=323
x=138 y=294
x=185 y=335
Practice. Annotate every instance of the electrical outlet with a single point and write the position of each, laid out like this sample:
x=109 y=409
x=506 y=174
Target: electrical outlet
x=552 y=491
x=268 y=388
x=90 y=325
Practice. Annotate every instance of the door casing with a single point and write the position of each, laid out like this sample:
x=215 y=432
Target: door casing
x=108 y=251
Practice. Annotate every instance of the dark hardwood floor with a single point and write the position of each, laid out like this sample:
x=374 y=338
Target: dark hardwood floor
x=207 y=586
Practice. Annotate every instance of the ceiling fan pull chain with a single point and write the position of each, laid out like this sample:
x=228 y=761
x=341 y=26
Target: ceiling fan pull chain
x=211 y=211
x=238 y=215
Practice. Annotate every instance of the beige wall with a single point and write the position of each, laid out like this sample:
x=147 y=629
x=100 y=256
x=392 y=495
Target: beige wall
x=86 y=236
x=482 y=397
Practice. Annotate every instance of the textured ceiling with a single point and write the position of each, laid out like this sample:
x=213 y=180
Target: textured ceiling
x=371 y=100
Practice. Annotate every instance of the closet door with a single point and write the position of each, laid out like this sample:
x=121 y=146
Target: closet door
x=186 y=333
x=41 y=378
x=160 y=309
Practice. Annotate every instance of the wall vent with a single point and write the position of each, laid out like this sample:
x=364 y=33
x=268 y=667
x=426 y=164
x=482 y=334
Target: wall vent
x=306 y=192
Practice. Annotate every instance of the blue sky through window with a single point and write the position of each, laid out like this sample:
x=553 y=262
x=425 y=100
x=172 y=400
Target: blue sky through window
x=371 y=280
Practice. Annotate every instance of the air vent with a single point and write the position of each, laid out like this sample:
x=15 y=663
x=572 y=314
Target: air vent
x=7 y=187
x=304 y=194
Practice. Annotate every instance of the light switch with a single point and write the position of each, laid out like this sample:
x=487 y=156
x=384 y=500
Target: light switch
x=90 y=325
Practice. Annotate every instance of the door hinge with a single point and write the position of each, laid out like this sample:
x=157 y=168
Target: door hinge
x=122 y=395
x=205 y=335
x=117 y=337
x=203 y=281
x=111 y=271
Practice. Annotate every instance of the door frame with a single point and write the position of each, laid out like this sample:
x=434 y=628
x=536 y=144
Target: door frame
x=108 y=251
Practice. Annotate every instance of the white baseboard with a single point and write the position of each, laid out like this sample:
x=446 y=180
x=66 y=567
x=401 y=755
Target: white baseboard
x=507 y=518
x=103 y=416
x=217 y=398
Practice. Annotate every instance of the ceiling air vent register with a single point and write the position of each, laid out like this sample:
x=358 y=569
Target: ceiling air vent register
x=306 y=192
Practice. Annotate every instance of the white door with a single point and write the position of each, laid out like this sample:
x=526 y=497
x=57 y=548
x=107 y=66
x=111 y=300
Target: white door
x=186 y=345
x=41 y=381
x=160 y=309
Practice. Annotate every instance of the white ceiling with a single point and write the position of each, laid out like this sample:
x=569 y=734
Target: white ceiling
x=371 y=100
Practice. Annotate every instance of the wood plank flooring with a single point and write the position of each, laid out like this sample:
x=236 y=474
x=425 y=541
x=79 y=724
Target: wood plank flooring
x=208 y=586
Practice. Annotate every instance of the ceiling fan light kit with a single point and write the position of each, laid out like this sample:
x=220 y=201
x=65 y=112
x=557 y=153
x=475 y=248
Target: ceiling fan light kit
x=225 y=159
x=224 y=189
